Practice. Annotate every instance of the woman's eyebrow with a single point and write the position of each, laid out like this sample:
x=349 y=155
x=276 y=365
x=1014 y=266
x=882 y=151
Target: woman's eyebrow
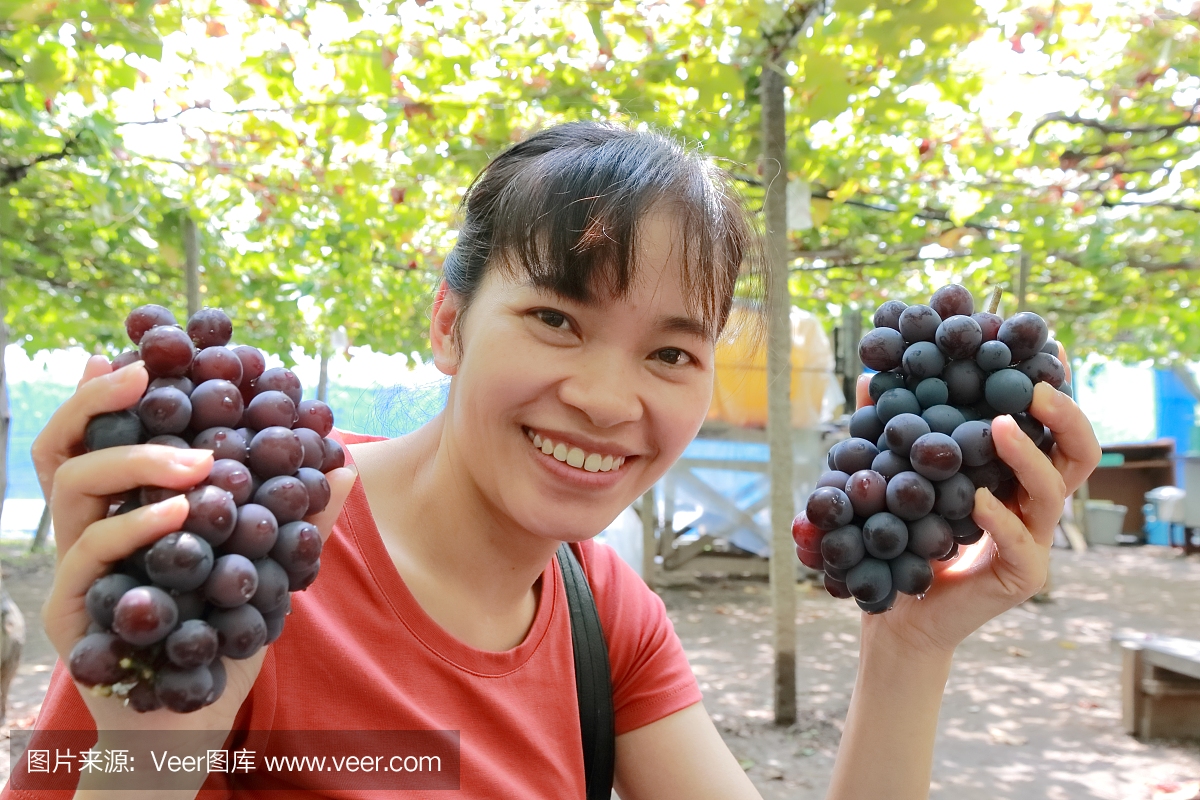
x=688 y=325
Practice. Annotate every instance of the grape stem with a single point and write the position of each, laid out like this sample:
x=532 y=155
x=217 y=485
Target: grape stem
x=994 y=300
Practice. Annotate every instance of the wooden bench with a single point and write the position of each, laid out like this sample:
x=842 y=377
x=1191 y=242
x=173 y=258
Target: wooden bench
x=1160 y=686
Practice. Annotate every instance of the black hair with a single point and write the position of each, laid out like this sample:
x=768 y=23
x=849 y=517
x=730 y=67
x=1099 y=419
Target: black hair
x=563 y=207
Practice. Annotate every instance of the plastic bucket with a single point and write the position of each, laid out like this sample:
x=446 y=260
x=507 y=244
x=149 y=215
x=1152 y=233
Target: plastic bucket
x=1104 y=522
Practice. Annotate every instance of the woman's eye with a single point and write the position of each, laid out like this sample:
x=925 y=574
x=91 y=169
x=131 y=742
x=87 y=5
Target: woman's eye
x=552 y=318
x=672 y=356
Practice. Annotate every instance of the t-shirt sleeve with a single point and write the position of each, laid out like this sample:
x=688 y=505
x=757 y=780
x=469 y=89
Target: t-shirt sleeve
x=650 y=673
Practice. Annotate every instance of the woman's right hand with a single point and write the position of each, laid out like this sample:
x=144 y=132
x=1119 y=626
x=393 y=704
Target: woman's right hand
x=78 y=486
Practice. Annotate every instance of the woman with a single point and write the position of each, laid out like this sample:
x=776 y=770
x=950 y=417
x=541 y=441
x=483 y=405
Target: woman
x=593 y=273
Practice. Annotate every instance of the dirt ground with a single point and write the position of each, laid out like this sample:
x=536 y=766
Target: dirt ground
x=1032 y=709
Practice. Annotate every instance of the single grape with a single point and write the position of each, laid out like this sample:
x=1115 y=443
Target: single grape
x=1030 y=427
x=923 y=360
x=813 y=561
x=989 y=324
x=806 y=535
x=888 y=314
x=932 y=392
x=314 y=447
x=149 y=495
x=834 y=477
x=902 y=430
x=1025 y=333
x=835 y=587
x=212 y=514
x=855 y=454
x=911 y=574
x=183 y=384
x=883 y=381
x=183 y=690
x=930 y=537
x=952 y=299
x=274 y=621
x=889 y=465
x=910 y=496
x=115 y=429
x=144 y=615
x=870 y=580
x=974 y=439
x=284 y=496
x=270 y=408
x=167 y=352
x=280 y=380
x=299 y=581
x=942 y=418
x=95 y=660
x=1051 y=347
x=253 y=365
x=959 y=337
x=965 y=531
x=896 y=401
x=318 y=489
x=217 y=364
x=865 y=424
x=241 y=631
x=1044 y=368
x=881 y=349
x=180 y=561
x=191 y=604
x=885 y=535
x=867 y=491
x=1067 y=390
x=210 y=327
x=143 y=318
x=936 y=456
x=142 y=697
x=275 y=451
x=226 y=443
x=125 y=359
x=134 y=564
x=911 y=382
x=316 y=416
x=843 y=547
x=192 y=644
x=1047 y=440
x=298 y=547
x=955 y=497
x=272 y=591
x=969 y=413
x=215 y=404
x=964 y=379
x=878 y=608
x=988 y=476
x=232 y=582
x=882 y=444
x=234 y=477
x=992 y=356
x=103 y=595
x=219 y=678
x=919 y=323
x=255 y=532
x=835 y=573
x=164 y=411
x=1009 y=391
x=168 y=440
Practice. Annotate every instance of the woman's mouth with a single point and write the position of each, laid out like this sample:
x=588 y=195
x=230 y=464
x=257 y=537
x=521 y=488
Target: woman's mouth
x=575 y=456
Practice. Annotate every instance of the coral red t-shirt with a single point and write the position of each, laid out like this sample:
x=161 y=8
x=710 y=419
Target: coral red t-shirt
x=359 y=653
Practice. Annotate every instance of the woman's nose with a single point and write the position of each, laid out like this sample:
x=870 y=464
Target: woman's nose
x=606 y=389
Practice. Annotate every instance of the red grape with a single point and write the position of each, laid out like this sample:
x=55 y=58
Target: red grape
x=241 y=631
x=1025 y=333
x=183 y=690
x=210 y=327
x=234 y=477
x=335 y=456
x=285 y=496
x=315 y=415
x=843 y=547
x=165 y=411
x=216 y=363
x=936 y=456
x=143 y=318
x=232 y=582
x=212 y=513
x=280 y=380
x=226 y=443
x=192 y=644
x=125 y=359
x=167 y=352
x=270 y=408
x=989 y=324
x=179 y=561
x=952 y=300
x=95 y=659
x=829 y=508
x=318 y=489
x=867 y=491
x=216 y=403
x=881 y=349
x=103 y=595
x=253 y=365
x=910 y=496
x=255 y=532
x=144 y=615
x=806 y=535
x=888 y=314
x=272 y=592
x=275 y=451
x=298 y=546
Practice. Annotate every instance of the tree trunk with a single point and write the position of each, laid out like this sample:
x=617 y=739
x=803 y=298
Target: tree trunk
x=323 y=376
x=43 y=531
x=5 y=413
x=779 y=401
x=191 y=249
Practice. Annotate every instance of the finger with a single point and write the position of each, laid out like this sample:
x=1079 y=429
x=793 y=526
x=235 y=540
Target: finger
x=102 y=544
x=1062 y=357
x=1020 y=562
x=1041 y=503
x=341 y=481
x=83 y=485
x=862 y=393
x=62 y=437
x=95 y=367
x=1076 y=451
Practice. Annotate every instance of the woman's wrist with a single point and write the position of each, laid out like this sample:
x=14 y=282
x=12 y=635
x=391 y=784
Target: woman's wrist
x=882 y=643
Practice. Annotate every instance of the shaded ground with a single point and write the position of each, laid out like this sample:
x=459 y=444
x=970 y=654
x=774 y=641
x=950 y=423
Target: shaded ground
x=1032 y=709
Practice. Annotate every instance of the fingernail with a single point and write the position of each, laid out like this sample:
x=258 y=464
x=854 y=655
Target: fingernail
x=131 y=369
x=190 y=458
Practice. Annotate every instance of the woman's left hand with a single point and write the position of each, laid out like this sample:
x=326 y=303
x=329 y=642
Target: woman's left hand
x=1011 y=562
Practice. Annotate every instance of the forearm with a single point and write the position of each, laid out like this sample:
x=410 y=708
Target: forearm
x=887 y=745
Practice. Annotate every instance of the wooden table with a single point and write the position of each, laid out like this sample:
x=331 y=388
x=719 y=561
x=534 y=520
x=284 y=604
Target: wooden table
x=1160 y=686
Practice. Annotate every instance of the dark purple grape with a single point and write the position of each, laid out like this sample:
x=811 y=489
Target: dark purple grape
x=989 y=324
x=867 y=491
x=993 y=356
x=829 y=508
x=143 y=318
x=280 y=380
x=930 y=537
x=936 y=456
x=885 y=535
x=955 y=497
x=272 y=591
x=953 y=554
x=284 y=496
x=882 y=382
x=854 y=454
x=299 y=581
x=168 y=440
x=1030 y=427
x=193 y=644
x=149 y=495
x=932 y=392
x=878 y=608
x=167 y=352
x=896 y=401
x=882 y=444
x=241 y=631
x=988 y=476
x=910 y=496
x=889 y=465
x=316 y=416
x=275 y=451
x=843 y=547
x=911 y=574
x=1009 y=391
x=271 y=408
x=210 y=327
x=1047 y=440
x=314 y=447
x=1067 y=390
x=131 y=504
x=919 y=323
x=1051 y=347
x=959 y=337
x=969 y=414
x=142 y=697
x=234 y=477
x=255 y=532
x=216 y=404
x=1006 y=491
x=180 y=561
x=95 y=659
x=911 y=382
x=275 y=623
x=183 y=690
x=115 y=429
x=942 y=419
x=835 y=478
x=835 y=573
x=212 y=514
x=1025 y=333
x=190 y=604
x=183 y=384
x=902 y=430
x=888 y=314
x=253 y=365
x=1044 y=368
x=881 y=349
x=923 y=360
x=869 y=580
x=335 y=456
x=217 y=364
x=835 y=587
x=164 y=411
x=974 y=439
x=865 y=424
x=219 y=678
x=318 y=489
x=125 y=359
x=964 y=380
x=965 y=531
x=232 y=582
x=103 y=595
x=298 y=547
x=225 y=443
x=952 y=299
x=144 y=615
x=134 y=564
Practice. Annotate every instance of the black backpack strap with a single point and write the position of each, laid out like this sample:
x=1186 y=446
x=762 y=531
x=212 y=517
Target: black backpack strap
x=593 y=683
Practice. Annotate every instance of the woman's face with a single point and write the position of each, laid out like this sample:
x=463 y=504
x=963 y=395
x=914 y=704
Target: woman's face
x=563 y=413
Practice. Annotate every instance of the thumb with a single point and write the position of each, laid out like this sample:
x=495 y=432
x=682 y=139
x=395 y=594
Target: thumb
x=341 y=481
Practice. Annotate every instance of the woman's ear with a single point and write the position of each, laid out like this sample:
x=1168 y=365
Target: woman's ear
x=447 y=307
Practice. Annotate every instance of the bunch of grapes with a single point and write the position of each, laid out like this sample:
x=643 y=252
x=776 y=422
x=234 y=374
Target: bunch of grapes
x=221 y=586
x=899 y=493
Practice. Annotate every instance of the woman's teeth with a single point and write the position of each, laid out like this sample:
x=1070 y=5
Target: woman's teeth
x=575 y=457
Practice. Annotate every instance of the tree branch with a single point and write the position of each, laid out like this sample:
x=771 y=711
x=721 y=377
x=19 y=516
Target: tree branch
x=1110 y=128
x=796 y=20
x=14 y=173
